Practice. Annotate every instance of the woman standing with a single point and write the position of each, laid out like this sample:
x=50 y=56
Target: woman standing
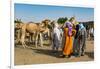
x=69 y=32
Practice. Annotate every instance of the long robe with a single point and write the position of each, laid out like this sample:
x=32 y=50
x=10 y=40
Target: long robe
x=80 y=40
x=68 y=46
x=56 y=38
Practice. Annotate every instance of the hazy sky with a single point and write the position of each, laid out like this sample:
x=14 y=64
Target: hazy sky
x=37 y=13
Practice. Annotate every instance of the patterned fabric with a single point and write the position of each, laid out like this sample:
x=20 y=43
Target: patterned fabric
x=69 y=25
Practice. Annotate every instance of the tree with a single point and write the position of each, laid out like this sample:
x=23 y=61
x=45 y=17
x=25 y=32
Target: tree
x=62 y=20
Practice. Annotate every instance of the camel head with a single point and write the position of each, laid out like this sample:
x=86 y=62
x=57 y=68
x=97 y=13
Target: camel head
x=46 y=22
x=18 y=25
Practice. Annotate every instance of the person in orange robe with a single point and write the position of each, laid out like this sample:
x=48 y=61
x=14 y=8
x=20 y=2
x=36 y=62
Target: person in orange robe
x=69 y=32
x=68 y=46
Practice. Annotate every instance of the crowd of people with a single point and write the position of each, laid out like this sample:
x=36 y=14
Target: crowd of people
x=73 y=40
x=71 y=37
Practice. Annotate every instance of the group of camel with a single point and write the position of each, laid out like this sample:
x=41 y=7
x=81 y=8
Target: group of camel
x=34 y=31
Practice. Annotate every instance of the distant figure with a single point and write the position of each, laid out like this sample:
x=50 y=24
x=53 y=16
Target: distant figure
x=91 y=31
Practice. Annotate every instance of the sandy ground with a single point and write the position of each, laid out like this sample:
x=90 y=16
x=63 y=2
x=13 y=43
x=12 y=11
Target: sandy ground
x=44 y=55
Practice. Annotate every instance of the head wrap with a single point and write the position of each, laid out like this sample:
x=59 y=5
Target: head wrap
x=81 y=26
x=68 y=24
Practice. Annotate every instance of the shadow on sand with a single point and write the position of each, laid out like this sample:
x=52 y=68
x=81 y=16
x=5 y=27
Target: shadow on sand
x=47 y=52
x=90 y=54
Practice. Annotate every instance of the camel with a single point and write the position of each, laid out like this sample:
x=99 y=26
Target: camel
x=17 y=27
x=35 y=29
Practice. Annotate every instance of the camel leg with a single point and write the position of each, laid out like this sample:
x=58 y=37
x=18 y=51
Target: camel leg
x=41 y=40
x=36 y=40
x=23 y=39
x=30 y=40
x=33 y=39
x=18 y=37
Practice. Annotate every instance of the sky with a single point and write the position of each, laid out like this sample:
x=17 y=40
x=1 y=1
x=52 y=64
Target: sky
x=37 y=13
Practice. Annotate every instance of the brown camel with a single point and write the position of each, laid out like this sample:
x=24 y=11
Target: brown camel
x=35 y=29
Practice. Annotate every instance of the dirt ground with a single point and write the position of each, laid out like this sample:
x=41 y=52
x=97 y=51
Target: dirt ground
x=44 y=55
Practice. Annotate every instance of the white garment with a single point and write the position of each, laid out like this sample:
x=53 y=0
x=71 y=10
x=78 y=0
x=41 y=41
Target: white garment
x=57 y=32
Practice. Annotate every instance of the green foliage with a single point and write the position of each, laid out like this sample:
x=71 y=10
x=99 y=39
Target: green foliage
x=62 y=20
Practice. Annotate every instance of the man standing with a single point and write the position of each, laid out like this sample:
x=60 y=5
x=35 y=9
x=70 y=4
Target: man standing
x=80 y=41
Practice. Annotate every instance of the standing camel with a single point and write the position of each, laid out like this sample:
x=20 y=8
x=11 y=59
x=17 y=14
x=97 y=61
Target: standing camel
x=35 y=30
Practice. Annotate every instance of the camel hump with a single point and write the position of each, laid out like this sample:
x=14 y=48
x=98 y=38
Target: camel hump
x=32 y=25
